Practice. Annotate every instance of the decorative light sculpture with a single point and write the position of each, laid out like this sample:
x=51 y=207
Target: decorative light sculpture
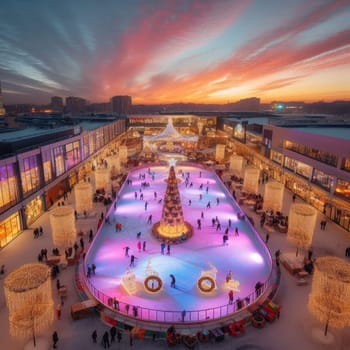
x=302 y=221
x=29 y=300
x=102 y=178
x=236 y=164
x=251 y=180
x=114 y=165
x=63 y=229
x=330 y=293
x=172 y=226
x=273 y=196
x=83 y=197
x=123 y=153
x=220 y=152
x=207 y=280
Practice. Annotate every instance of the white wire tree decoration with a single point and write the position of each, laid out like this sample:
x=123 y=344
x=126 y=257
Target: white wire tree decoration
x=330 y=293
x=301 y=226
x=29 y=300
x=273 y=196
x=83 y=197
x=63 y=228
x=251 y=180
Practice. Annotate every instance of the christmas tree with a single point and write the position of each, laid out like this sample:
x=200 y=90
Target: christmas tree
x=172 y=226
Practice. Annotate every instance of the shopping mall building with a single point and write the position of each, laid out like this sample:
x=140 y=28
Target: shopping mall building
x=38 y=165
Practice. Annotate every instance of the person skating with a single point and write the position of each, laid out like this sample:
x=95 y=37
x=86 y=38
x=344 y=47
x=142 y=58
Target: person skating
x=172 y=283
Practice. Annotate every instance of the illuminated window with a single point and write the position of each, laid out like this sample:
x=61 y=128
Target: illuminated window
x=30 y=175
x=8 y=186
x=59 y=160
x=9 y=229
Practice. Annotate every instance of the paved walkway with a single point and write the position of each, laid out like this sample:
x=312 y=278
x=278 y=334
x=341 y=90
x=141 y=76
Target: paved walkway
x=295 y=328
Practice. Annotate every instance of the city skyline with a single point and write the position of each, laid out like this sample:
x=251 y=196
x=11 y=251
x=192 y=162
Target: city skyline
x=175 y=51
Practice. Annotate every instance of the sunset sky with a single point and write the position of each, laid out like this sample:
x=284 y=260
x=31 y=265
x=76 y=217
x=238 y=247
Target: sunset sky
x=164 y=51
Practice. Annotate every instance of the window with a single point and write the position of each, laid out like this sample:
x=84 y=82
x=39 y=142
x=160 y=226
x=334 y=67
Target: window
x=30 y=176
x=324 y=157
x=8 y=186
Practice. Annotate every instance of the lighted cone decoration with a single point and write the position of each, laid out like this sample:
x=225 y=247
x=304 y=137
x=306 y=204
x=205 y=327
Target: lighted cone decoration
x=273 y=196
x=251 y=180
x=330 y=293
x=172 y=227
x=83 y=197
x=29 y=300
x=302 y=221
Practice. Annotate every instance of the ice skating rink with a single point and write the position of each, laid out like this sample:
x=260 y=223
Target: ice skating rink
x=245 y=254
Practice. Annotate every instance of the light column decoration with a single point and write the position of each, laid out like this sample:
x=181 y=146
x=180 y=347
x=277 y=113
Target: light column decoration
x=28 y=296
x=220 y=152
x=123 y=153
x=114 y=165
x=83 y=197
x=330 y=292
x=102 y=178
x=63 y=228
x=302 y=221
x=236 y=164
x=273 y=196
x=251 y=180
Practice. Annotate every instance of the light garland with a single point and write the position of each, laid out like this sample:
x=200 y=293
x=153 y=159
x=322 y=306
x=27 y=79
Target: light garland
x=330 y=293
x=63 y=228
x=28 y=296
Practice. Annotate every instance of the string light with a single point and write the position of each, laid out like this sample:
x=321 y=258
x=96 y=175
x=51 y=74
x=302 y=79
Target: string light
x=251 y=180
x=83 y=197
x=273 y=196
x=63 y=228
x=28 y=296
x=330 y=293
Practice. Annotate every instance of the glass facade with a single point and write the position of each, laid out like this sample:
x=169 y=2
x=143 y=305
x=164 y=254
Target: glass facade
x=9 y=229
x=8 y=186
x=322 y=179
x=346 y=164
x=58 y=153
x=47 y=165
x=342 y=188
x=30 y=175
x=321 y=156
x=277 y=157
x=72 y=154
x=299 y=168
x=33 y=210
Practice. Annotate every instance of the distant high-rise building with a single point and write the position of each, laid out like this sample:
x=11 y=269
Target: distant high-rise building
x=2 y=109
x=57 y=103
x=75 y=105
x=121 y=104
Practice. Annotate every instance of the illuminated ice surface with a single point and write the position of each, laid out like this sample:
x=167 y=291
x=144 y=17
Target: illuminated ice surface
x=245 y=255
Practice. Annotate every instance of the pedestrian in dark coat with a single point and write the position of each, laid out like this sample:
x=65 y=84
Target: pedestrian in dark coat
x=54 y=339
x=94 y=336
x=105 y=340
x=113 y=333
